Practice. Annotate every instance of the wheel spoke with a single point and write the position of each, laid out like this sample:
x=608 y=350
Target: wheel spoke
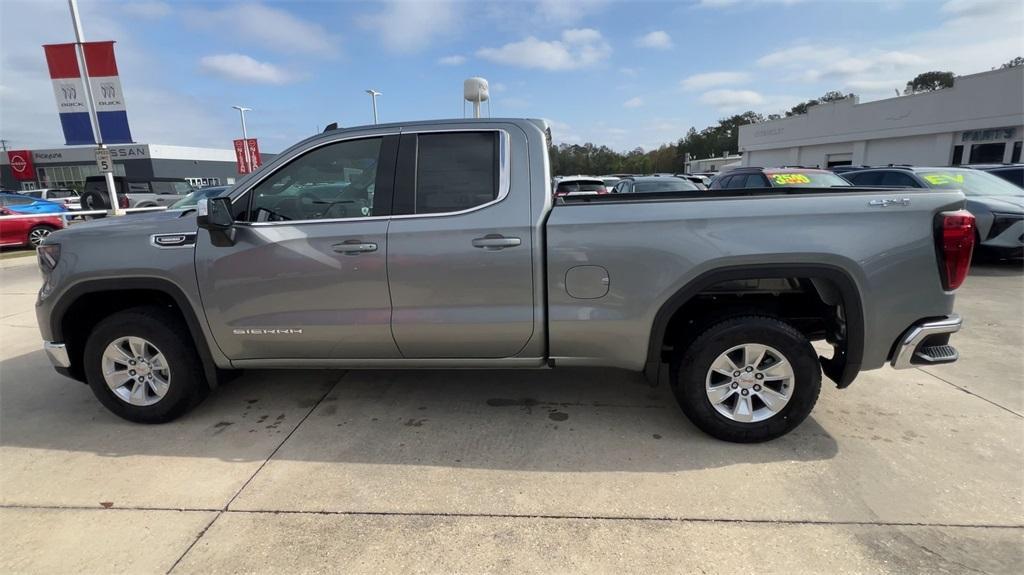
x=159 y=385
x=778 y=370
x=724 y=365
x=138 y=346
x=753 y=354
x=138 y=393
x=116 y=379
x=772 y=399
x=742 y=411
x=157 y=362
x=720 y=393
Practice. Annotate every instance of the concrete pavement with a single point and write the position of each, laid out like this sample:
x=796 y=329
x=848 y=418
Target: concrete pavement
x=576 y=470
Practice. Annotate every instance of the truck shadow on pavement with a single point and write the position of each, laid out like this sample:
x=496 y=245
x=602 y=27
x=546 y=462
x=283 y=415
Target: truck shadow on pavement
x=565 y=420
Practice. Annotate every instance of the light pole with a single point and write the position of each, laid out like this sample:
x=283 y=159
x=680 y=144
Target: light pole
x=245 y=137
x=115 y=207
x=373 y=97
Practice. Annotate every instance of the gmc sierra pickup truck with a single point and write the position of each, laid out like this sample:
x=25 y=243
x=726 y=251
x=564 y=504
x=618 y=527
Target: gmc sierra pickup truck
x=440 y=245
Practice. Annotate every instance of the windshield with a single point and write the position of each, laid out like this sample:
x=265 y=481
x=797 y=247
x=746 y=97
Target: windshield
x=193 y=198
x=971 y=182
x=664 y=185
x=806 y=179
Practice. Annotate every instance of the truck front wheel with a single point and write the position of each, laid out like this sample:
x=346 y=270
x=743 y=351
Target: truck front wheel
x=141 y=365
x=747 y=379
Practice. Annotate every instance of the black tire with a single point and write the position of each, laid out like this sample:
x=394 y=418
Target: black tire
x=187 y=383
x=38 y=233
x=691 y=366
x=94 y=200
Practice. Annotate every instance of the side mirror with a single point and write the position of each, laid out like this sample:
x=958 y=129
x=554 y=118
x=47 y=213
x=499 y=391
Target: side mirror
x=214 y=213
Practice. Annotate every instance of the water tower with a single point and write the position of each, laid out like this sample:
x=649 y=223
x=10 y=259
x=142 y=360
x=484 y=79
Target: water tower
x=477 y=91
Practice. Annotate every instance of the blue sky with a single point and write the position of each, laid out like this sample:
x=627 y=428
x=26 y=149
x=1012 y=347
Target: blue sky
x=624 y=74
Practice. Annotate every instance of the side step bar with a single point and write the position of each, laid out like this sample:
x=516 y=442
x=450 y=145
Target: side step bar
x=911 y=352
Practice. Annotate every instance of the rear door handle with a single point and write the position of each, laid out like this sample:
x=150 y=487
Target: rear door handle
x=354 y=247
x=496 y=242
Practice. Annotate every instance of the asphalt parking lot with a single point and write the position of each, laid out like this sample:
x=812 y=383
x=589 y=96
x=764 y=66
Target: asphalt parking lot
x=919 y=471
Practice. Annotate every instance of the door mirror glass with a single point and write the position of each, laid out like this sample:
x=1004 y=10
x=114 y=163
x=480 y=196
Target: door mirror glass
x=214 y=213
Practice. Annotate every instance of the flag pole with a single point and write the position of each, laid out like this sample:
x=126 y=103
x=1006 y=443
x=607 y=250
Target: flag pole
x=115 y=207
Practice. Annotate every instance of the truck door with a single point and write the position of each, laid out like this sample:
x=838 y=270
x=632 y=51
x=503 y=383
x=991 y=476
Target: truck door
x=460 y=245
x=306 y=274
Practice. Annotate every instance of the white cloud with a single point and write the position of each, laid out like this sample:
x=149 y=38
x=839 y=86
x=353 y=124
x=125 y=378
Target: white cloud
x=713 y=80
x=658 y=39
x=266 y=27
x=406 y=26
x=635 y=102
x=631 y=72
x=455 y=60
x=578 y=48
x=161 y=110
x=149 y=10
x=564 y=12
x=242 y=68
x=732 y=99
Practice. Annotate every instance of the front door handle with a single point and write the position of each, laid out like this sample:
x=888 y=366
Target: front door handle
x=496 y=242
x=354 y=247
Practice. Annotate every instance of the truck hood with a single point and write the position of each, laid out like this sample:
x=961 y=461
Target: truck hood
x=137 y=224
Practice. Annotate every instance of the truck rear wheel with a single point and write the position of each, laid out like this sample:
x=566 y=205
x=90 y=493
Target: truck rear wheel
x=141 y=365
x=747 y=379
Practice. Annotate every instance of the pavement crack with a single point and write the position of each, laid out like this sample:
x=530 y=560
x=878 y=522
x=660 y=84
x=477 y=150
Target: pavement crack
x=227 y=506
x=516 y=516
x=971 y=393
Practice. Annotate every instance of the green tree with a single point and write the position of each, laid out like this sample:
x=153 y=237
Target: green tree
x=830 y=96
x=929 y=82
x=1018 y=61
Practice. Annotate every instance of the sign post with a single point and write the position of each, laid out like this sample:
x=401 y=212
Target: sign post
x=103 y=161
x=115 y=207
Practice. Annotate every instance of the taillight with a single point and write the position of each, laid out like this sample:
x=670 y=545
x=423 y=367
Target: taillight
x=955 y=236
x=602 y=190
x=122 y=201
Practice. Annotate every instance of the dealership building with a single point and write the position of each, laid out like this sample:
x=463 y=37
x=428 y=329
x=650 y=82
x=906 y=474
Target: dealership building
x=70 y=165
x=980 y=119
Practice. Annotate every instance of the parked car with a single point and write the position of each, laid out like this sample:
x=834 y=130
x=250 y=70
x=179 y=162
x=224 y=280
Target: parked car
x=22 y=204
x=1013 y=173
x=609 y=182
x=997 y=205
x=698 y=180
x=134 y=193
x=26 y=231
x=751 y=177
x=579 y=186
x=193 y=198
x=654 y=184
x=462 y=258
x=848 y=168
x=66 y=196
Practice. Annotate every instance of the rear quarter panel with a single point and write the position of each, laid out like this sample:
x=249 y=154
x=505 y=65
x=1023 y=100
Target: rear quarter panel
x=654 y=249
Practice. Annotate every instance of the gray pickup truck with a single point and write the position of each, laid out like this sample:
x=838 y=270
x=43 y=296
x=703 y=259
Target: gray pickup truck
x=440 y=245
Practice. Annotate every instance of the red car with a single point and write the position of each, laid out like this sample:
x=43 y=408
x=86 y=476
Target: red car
x=26 y=230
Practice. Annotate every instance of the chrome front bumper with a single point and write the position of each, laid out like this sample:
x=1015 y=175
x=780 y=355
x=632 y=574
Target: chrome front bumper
x=58 y=354
x=907 y=348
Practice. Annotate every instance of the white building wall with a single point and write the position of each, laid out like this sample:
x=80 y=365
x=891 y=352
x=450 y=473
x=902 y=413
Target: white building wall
x=920 y=129
x=917 y=150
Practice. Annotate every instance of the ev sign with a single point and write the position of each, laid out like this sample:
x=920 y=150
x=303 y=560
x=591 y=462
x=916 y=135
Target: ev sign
x=103 y=161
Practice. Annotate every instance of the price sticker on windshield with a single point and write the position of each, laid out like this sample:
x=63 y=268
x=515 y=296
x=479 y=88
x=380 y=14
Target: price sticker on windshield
x=789 y=179
x=943 y=179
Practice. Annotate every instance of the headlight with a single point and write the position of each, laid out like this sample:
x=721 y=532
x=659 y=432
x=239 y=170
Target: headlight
x=49 y=256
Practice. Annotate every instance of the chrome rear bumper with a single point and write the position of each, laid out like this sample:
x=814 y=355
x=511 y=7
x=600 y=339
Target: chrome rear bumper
x=58 y=354
x=909 y=351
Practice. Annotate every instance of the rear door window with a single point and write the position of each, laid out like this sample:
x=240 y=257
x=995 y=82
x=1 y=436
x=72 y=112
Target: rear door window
x=865 y=178
x=456 y=171
x=899 y=180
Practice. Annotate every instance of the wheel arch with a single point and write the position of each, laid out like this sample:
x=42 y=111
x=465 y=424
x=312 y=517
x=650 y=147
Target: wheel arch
x=830 y=281
x=91 y=300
